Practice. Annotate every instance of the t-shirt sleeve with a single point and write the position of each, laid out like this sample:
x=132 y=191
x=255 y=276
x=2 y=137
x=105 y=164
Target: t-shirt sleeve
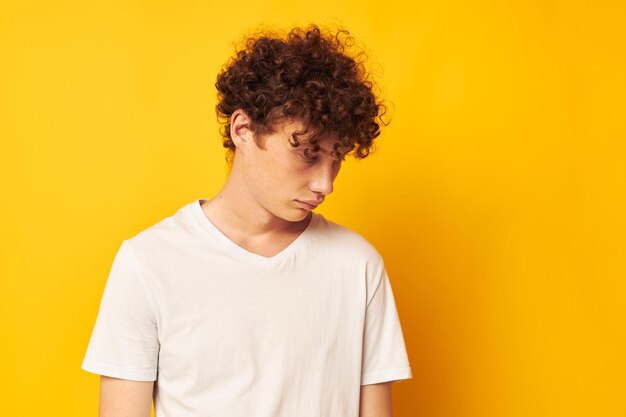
x=384 y=351
x=124 y=342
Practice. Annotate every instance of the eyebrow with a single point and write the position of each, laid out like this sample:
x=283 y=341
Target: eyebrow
x=324 y=151
x=321 y=150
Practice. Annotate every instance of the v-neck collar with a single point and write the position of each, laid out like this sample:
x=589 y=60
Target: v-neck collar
x=245 y=255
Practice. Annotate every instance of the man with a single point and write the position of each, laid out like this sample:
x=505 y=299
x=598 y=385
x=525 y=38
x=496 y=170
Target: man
x=250 y=304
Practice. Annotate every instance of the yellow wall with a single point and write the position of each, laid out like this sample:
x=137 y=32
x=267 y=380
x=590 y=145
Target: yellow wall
x=497 y=194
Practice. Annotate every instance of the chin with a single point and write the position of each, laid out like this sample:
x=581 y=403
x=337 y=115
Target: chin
x=295 y=216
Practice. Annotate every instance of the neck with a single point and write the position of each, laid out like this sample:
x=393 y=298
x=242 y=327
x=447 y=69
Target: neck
x=234 y=209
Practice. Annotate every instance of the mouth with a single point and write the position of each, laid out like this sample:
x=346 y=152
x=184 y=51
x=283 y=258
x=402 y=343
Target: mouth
x=307 y=206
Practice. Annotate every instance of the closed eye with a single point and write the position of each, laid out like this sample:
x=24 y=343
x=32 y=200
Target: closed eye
x=309 y=159
x=315 y=158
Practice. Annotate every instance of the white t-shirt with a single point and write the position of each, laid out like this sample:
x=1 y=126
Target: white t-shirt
x=227 y=332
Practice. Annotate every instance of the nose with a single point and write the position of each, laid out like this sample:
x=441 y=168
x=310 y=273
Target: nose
x=322 y=182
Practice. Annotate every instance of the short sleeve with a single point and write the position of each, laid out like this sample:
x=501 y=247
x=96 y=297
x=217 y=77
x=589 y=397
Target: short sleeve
x=124 y=342
x=384 y=351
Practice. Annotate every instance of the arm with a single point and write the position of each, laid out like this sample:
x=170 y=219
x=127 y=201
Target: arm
x=123 y=398
x=376 y=400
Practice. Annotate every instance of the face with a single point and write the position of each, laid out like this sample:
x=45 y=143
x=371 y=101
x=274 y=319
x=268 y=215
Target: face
x=281 y=179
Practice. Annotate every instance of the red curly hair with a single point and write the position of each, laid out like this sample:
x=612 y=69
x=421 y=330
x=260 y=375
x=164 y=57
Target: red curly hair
x=308 y=75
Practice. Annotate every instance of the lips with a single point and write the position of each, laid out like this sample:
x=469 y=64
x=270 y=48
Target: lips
x=313 y=203
x=310 y=204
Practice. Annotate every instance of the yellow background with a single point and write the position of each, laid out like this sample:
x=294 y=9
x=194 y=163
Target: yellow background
x=496 y=196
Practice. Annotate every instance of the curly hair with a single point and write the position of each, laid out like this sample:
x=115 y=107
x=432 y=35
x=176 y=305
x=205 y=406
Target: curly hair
x=306 y=75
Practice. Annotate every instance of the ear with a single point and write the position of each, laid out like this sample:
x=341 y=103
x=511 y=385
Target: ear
x=240 y=129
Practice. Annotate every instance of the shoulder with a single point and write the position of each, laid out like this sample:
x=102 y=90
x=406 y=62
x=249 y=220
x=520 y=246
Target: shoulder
x=163 y=237
x=342 y=249
x=345 y=241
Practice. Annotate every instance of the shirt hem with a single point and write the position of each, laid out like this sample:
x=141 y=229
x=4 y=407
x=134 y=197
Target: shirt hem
x=116 y=372
x=386 y=376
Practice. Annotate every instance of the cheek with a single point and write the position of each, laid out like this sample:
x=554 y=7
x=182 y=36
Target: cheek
x=278 y=174
x=282 y=175
x=290 y=169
